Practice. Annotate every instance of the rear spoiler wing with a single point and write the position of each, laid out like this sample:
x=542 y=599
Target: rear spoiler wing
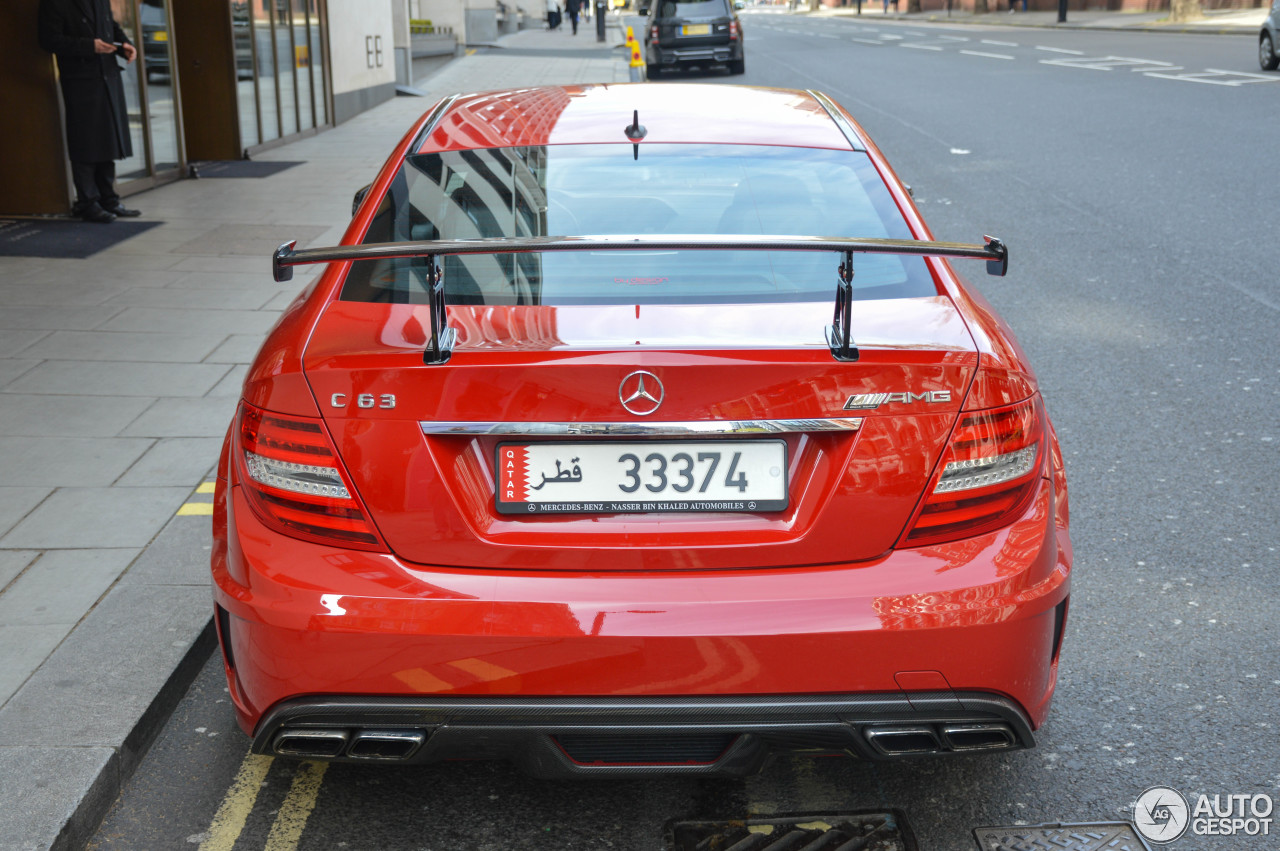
x=992 y=250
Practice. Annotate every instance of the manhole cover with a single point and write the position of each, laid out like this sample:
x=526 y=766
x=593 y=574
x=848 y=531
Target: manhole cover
x=801 y=832
x=1109 y=835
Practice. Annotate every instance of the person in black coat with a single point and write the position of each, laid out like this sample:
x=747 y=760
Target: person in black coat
x=572 y=8
x=86 y=39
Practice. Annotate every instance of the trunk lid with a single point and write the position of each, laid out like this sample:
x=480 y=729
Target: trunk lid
x=432 y=496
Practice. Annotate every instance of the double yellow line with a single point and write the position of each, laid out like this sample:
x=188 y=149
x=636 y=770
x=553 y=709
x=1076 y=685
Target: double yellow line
x=198 y=509
x=291 y=819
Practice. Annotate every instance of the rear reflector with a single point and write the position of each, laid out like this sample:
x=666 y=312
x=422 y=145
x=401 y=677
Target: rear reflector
x=989 y=473
x=295 y=483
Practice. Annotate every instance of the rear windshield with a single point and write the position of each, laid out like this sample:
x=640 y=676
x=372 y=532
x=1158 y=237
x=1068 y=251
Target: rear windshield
x=695 y=9
x=573 y=190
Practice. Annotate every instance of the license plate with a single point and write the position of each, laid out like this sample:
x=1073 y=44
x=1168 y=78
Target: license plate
x=696 y=29
x=610 y=477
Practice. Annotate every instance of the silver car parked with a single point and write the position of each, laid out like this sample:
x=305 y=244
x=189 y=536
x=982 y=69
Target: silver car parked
x=1269 y=40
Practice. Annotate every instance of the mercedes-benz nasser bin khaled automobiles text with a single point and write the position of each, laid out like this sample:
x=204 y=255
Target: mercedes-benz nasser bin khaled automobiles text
x=640 y=428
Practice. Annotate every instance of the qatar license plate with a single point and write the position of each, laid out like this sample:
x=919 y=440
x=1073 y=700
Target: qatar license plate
x=611 y=477
x=696 y=29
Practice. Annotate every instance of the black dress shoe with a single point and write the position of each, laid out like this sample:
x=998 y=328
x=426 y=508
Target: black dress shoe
x=123 y=212
x=95 y=213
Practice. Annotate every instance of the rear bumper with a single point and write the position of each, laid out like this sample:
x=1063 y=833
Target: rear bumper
x=705 y=53
x=971 y=624
x=566 y=737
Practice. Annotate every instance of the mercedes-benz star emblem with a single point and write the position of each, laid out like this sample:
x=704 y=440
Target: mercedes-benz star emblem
x=641 y=393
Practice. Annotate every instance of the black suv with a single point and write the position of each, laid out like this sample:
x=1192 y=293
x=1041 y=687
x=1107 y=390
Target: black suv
x=696 y=32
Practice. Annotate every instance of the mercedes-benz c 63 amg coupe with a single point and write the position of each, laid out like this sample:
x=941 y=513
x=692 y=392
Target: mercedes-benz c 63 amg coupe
x=640 y=428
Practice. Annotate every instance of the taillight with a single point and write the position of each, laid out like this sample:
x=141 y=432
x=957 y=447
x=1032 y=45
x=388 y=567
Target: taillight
x=989 y=473
x=295 y=483
x=733 y=31
x=653 y=33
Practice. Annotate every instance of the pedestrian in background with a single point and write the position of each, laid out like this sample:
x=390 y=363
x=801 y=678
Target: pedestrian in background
x=572 y=8
x=553 y=15
x=87 y=41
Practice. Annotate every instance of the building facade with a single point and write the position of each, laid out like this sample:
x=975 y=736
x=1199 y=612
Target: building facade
x=214 y=80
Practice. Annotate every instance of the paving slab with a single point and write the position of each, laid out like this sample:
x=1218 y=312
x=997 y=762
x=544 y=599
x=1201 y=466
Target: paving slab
x=162 y=320
x=179 y=555
x=51 y=795
x=176 y=462
x=73 y=461
x=118 y=378
x=154 y=346
x=253 y=240
x=71 y=293
x=190 y=297
x=15 y=504
x=205 y=417
x=12 y=369
x=14 y=340
x=231 y=383
x=240 y=348
x=87 y=518
x=61 y=586
x=23 y=649
x=53 y=318
x=12 y=563
x=68 y=702
x=38 y=415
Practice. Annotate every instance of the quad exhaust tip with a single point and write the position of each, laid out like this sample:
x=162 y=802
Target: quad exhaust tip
x=377 y=745
x=944 y=738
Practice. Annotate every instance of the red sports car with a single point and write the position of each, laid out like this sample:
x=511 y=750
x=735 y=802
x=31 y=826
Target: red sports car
x=563 y=459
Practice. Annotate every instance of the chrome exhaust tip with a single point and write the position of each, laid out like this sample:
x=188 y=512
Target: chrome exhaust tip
x=979 y=737
x=903 y=741
x=309 y=743
x=385 y=745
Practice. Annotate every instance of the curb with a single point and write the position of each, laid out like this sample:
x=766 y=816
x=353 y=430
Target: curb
x=101 y=794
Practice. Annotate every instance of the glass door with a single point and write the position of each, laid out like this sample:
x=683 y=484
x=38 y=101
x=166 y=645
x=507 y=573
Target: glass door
x=150 y=89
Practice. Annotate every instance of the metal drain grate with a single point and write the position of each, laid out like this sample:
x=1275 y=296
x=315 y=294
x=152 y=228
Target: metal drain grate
x=804 y=832
x=1099 y=836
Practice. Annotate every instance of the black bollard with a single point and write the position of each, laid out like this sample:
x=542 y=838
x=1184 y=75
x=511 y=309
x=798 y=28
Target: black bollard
x=601 y=8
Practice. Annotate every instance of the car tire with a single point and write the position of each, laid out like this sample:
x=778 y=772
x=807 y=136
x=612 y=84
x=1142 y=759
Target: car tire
x=1267 y=56
x=737 y=66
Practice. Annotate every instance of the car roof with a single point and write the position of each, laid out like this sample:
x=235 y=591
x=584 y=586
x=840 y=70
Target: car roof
x=689 y=113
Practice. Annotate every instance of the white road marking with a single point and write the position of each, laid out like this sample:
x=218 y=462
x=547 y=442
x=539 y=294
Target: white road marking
x=827 y=35
x=1000 y=43
x=888 y=37
x=1060 y=50
x=867 y=41
x=920 y=46
x=1108 y=63
x=956 y=38
x=1262 y=78
x=1215 y=77
x=988 y=55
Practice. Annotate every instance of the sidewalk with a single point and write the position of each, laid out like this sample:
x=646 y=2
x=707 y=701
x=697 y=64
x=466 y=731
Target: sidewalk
x=118 y=377
x=1216 y=22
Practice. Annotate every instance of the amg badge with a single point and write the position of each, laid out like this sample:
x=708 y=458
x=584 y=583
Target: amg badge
x=870 y=401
